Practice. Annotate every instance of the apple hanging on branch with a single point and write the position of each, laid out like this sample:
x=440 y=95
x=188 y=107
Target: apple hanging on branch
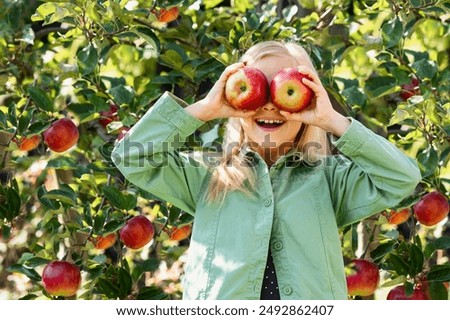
x=61 y=135
x=247 y=89
x=399 y=293
x=397 y=216
x=137 y=232
x=61 y=278
x=288 y=92
x=431 y=209
x=365 y=278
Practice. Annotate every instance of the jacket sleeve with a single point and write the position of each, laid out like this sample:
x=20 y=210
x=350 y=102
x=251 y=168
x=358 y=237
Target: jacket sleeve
x=150 y=155
x=376 y=176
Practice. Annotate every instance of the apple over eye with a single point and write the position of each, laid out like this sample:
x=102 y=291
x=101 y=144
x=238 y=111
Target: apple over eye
x=247 y=89
x=288 y=92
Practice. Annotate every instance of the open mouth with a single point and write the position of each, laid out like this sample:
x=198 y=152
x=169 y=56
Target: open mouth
x=269 y=124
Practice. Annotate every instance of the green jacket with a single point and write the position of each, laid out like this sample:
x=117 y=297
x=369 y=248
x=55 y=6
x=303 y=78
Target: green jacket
x=297 y=210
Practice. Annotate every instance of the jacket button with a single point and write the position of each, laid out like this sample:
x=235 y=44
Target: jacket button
x=287 y=290
x=268 y=202
x=277 y=246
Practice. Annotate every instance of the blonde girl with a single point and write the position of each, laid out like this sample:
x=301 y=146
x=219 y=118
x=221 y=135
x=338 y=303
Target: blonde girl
x=267 y=214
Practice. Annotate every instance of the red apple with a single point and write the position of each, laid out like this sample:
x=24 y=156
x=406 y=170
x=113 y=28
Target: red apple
x=167 y=15
x=108 y=116
x=397 y=217
x=28 y=144
x=365 y=279
x=61 y=278
x=288 y=92
x=180 y=233
x=247 y=89
x=137 y=232
x=61 y=135
x=398 y=293
x=410 y=89
x=431 y=209
x=104 y=242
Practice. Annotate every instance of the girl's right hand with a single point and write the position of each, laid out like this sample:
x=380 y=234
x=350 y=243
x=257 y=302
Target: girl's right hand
x=214 y=105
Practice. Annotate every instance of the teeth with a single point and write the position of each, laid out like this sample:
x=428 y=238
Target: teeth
x=269 y=121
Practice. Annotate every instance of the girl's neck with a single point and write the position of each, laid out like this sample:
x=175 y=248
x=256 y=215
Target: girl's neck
x=271 y=155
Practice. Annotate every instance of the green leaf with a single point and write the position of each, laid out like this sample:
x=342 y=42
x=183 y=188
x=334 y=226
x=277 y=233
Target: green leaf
x=122 y=94
x=30 y=273
x=125 y=282
x=65 y=195
x=425 y=68
x=437 y=291
x=118 y=199
x=354 y=96
x=151 y=293
x=24 y=121
x=36 y=261
x=113 y=226
x=87 y=59
x=149 y=36
x=400 y=266
x=382 y=250
x=38 y=127
x=380 y=86
x=49 y=203
x=428 y=162
x=40 y=98
x=392 y=32
x=442 y=243
x=107 y=288
x=416 y=258
x=10 y=203
x=439 y=273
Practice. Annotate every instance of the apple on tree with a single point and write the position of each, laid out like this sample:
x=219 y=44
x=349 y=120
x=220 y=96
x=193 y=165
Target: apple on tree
x=61 y=278
x=180 y=233
x=137 y=232
x=247 y=89
x=410 y=89
x=104 y=242
x=108 y=116
x=167 y=15
x=287 y=91
x=29 y=143
x=397 y=216
x=431 y=209
x=398 y=293
x=365 y=278
x=61 y=135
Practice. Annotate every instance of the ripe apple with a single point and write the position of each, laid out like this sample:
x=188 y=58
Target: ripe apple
x=61 y=135
x=431 y=209
x=28 y=144
x=137 y=232
x=108 y=116
x=398 y=217
x=180 y=233
x=398 y=293
x=104 y=242
x=410 y=89
x=61 y=278
x=167 y=15
x=365 y=279
x=247 y=89
x=288 y=92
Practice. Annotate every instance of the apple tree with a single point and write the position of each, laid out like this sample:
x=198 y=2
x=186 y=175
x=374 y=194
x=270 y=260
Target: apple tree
x=102 y=64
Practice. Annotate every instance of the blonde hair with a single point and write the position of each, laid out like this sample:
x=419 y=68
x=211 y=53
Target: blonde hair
x=234 y=172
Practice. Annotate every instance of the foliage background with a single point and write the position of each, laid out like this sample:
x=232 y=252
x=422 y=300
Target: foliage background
x=74 y=58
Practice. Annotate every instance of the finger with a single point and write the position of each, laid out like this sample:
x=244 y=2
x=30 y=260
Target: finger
x=317 y=88
x=310 y=73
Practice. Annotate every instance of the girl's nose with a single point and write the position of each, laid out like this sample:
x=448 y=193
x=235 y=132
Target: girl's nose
x=269 y=107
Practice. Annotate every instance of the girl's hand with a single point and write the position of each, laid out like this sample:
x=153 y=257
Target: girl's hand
x=214 y=105
x=320 y=112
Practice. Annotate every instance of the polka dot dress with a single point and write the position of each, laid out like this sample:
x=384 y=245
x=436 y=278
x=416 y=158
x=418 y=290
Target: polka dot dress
x=269 y=290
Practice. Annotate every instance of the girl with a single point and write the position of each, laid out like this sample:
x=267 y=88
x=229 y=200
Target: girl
x=267 y=214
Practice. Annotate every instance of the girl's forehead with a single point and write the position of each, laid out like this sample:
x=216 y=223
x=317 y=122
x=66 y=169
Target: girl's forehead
x=270 y=65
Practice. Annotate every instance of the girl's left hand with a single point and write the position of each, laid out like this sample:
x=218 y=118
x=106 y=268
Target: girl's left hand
x=320 y=112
